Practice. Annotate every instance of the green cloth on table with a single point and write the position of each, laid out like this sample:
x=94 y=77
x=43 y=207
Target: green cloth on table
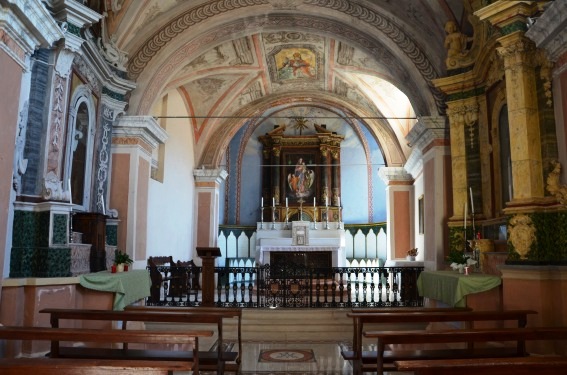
x=127 y=286
x=452 y=287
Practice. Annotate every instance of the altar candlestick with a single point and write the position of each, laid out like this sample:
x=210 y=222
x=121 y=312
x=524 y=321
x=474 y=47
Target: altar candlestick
x=472 y=203
x=465 y=218
x=70 y=195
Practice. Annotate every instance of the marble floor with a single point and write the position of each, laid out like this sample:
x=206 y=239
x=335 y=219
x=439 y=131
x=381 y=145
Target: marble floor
x=294 y=358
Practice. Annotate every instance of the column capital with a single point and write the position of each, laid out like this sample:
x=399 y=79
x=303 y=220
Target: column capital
x=509 y=16
x=25 y=26
x=141 y=130
x=549 y=32
x=205 y=175
x=428 y=130
x=395 y=176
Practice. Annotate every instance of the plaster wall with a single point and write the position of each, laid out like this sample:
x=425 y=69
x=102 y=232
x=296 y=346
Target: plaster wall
x=543 y=289
x=10 y=78
x=170 y=202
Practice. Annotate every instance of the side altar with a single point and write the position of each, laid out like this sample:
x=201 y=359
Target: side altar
x=301 y=242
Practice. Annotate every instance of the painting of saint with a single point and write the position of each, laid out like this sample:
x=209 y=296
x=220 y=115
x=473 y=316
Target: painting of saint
x=300 y=182
x=295 y=64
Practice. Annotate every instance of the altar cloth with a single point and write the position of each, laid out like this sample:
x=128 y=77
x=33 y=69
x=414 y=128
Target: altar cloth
x=452 y=287
x=127 y=286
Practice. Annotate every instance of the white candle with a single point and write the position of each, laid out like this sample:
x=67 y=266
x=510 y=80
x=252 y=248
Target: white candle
x=286 y=201
x=103 y=209
x=472 y=203
x=262 y=203
x=339 y=201
x=465 y=219
x=273 y=202
x=70 y=195
x=326 y=204
x=314 y=204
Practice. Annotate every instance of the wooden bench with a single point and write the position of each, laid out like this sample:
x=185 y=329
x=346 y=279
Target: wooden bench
x=496 y=335
x=66 y=366
x=190 y=358
x=540 y=365
x=366 y=359
x=219 y=360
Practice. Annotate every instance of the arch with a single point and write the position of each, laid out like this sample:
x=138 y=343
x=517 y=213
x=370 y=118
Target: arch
x=215 y=146
x=77 y=131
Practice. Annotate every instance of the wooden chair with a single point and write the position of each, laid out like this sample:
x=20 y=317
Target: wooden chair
x=158 y=278
x=188 y=274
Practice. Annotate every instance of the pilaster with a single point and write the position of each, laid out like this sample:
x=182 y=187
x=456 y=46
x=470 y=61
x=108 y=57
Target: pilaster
x=399 y=195
x=207 y=186
x=133 y=140
x=431 y=162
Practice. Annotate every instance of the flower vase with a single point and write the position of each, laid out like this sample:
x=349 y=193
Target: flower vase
x=410 y=258
x=120 y=267
x=461 y=269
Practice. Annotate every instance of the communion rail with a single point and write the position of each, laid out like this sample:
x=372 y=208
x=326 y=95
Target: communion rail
x=293 y=286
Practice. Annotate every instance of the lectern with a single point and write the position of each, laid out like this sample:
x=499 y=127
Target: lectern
x=208 y=255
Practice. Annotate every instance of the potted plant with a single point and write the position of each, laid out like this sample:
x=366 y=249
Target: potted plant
x=459 y=260
x=121 y=260
x=411 y=254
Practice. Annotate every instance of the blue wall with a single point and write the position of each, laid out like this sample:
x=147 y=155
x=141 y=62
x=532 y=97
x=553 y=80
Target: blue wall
x=362 y=191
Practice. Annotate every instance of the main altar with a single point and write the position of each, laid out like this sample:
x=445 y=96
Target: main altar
x=312 y=244
x=301 y=213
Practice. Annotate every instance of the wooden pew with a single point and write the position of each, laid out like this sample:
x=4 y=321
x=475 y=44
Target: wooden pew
x=519 y=335
x=80 y=336
x=365 y=359
x=540 y=365
x=225 y=312
x=66 y=366
x=216 y=361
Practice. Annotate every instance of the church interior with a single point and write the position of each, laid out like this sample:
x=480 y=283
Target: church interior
x=336 y=134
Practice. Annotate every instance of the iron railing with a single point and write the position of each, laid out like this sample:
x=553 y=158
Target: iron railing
x=296 y=287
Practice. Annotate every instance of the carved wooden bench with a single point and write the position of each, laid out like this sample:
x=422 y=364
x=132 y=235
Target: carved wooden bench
x=387 y=357
x=362 y=360
x=112 y=337
x=540 y=365
x=208 y=360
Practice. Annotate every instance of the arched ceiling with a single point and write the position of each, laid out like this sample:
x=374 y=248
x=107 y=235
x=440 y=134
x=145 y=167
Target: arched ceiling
x=228 y=57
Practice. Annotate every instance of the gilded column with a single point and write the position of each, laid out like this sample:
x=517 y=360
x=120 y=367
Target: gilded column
x=276 y=168
x=325 y=176
x=519 y=56
x=462 y=114
x=336 y=176
x=525 y=142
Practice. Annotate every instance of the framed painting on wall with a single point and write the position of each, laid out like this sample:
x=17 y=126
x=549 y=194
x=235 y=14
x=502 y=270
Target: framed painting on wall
x=301 y=176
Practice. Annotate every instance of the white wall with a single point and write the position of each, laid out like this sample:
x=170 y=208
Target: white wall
x=170 y=206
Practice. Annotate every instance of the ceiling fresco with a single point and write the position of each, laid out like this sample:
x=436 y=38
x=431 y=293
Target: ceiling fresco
x=223 y=56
